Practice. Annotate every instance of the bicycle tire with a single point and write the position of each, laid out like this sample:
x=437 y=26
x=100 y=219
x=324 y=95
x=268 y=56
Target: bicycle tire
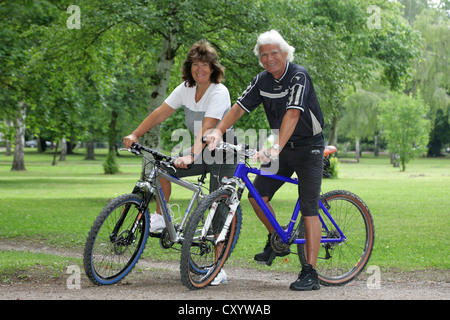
x=200 y=263
x=107 y=258
x=340 y=263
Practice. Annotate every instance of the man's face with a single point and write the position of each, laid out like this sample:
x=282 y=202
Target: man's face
x=273 y=59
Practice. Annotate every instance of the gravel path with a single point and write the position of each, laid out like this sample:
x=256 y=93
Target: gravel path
x=161 y=281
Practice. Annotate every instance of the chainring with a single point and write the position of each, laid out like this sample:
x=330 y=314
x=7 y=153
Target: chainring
x=277 y=244
x=165 y=241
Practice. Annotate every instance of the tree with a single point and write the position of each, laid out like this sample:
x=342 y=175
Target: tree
x=385 y=46
x=19 y=89
x=431 y=77
x=359 y=116
x=440 y=135
x=97 y=65
x=117 y=36
x=126 y=56
x=168 y=28
x=405 y=126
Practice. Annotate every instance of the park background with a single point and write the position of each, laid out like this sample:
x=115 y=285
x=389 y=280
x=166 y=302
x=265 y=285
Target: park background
x=77 y=76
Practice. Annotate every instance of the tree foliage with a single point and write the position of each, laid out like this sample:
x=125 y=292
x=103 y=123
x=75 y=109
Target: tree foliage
x=97 y=81
x=405 y=124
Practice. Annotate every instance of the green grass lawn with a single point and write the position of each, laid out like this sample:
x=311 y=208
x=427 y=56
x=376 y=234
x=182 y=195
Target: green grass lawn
x=57 y=205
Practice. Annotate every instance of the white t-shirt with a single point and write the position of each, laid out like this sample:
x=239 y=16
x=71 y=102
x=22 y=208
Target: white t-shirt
x=215 y=103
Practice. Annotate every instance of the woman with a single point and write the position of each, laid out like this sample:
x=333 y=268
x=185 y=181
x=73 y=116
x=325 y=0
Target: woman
x=205 y=101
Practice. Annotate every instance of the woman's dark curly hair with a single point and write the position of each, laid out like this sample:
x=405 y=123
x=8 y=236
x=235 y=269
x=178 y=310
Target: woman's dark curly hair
x=204 y=52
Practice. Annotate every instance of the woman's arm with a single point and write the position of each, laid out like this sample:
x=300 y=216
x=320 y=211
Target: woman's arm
x=156 y=117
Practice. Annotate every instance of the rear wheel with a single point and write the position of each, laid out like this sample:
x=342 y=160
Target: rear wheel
x=340 y=262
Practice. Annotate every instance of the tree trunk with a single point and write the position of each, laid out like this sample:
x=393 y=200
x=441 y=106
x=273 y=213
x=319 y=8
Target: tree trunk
x=375 y=145
x=90 y=150
x=160 y=84
x=357 y=149
x=110 y=165
x=403 y=162
x=55 y=153
x=113 y=131
x=62 y=156
x=9 y=124
x=8 y=148
x=332 y=141
x=19 y=162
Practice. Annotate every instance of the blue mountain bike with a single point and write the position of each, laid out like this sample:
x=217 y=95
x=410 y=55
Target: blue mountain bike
x=347 y=229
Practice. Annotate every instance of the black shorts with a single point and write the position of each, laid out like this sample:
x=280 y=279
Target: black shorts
x=307 y=163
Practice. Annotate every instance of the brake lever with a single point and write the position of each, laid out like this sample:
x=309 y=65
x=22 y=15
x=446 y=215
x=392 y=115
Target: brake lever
x=271 y=158
x=172 y=167
x=134 y=151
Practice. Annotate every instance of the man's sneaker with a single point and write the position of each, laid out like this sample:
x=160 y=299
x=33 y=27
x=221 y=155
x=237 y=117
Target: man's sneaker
x=268 y=253
x=220 y=278
x=307 y=280
x=157 y=223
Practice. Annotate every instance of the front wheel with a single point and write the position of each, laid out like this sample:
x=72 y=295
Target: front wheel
x=116 y=240
x=201 y=258
x=340 y=262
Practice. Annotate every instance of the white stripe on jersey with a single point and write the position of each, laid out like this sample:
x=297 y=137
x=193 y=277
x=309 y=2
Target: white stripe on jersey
x=249 y=88
x=273 y=95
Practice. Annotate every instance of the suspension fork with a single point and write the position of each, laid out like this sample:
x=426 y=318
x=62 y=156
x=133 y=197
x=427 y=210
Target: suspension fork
x=119 y=223
x=144 y=189
x=234 y=201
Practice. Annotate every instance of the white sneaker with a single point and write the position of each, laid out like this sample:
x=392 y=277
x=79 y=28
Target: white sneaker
x=220 y=278
x=157 y=223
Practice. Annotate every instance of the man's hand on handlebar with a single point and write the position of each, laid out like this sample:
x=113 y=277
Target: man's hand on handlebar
x=212 y=138
x=266 y=156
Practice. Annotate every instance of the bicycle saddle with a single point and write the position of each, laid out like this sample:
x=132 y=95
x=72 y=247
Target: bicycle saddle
x=329 y=150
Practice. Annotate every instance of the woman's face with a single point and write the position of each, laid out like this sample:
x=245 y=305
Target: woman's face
x=201 y=72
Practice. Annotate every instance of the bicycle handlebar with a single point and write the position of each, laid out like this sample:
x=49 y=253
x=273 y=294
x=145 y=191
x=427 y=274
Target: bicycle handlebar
x=137 y=149
x=237 y=149
x=251 y=152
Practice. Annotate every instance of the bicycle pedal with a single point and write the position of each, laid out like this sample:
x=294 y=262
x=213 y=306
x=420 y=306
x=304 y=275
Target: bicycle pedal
x=154 y=234
x=272 y=257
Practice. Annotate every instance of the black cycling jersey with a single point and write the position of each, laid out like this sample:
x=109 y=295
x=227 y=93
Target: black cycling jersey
x=294 y=90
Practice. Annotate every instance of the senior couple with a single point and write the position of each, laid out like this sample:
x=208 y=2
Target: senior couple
x=287 y=94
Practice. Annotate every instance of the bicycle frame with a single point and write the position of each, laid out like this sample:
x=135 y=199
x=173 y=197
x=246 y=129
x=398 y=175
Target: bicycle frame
x=150 y=185
x=287 y=236
x=339 y=263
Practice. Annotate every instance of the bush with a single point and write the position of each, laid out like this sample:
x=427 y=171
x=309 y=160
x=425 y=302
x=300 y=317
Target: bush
x=110 y=166
x=333 y=170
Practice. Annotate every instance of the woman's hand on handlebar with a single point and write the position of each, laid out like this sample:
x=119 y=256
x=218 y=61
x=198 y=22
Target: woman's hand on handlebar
x=129 y=140
x=183 y=162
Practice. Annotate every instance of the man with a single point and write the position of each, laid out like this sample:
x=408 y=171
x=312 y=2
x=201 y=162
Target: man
x=286 y=91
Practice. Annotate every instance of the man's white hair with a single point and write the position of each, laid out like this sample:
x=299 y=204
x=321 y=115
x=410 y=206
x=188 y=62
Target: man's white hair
x=273 y=37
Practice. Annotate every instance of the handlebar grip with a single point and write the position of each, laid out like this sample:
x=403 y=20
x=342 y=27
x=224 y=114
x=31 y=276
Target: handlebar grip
x=135 y=148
